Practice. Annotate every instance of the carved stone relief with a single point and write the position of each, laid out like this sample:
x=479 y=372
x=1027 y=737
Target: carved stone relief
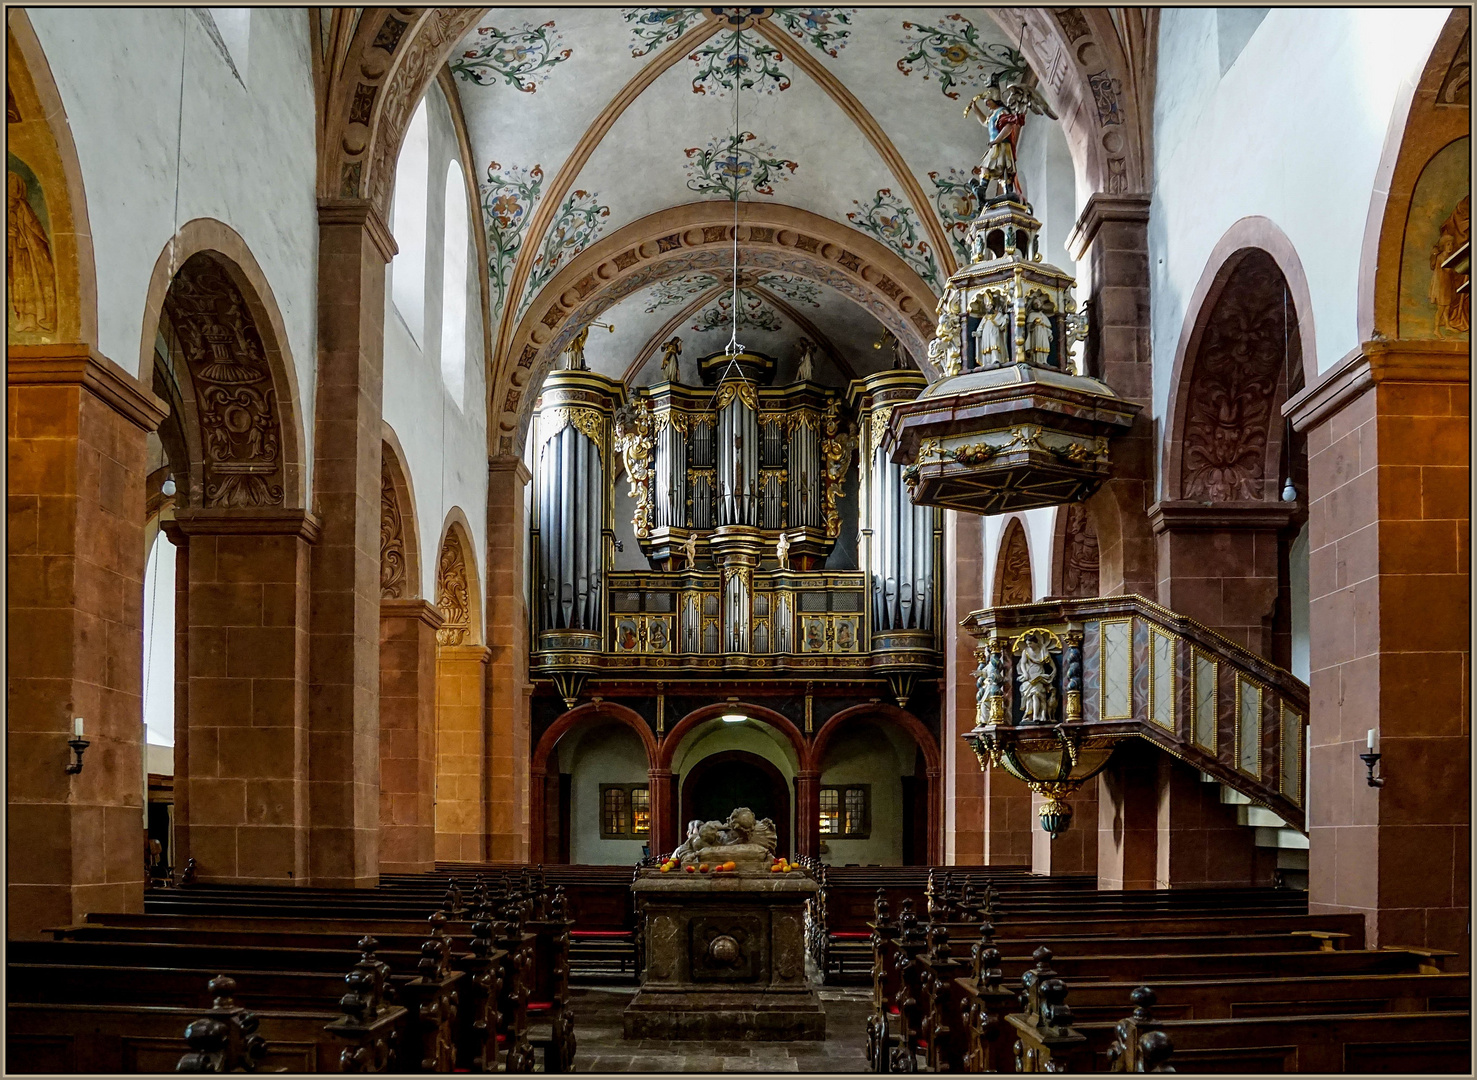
x=1079 y=554
x=1014 y=575
x=213 y=332
x=1249 y=338
x=392 y=538
x=1456 y=87
x=452 y=596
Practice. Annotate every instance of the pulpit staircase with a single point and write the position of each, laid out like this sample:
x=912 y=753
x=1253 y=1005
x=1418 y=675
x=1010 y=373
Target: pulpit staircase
x=1062 y=682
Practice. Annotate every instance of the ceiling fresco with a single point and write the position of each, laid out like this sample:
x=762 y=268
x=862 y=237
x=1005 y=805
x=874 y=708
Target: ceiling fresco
x=582 y=121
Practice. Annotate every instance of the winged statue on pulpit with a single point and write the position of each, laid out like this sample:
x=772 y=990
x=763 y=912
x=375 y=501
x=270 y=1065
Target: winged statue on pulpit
x=1002 y=112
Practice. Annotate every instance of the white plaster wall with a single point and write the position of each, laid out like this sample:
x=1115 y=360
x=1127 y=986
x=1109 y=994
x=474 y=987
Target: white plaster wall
x=606 y=755
x=246 y=156
x=445 y=442
x=867 y=754
x=1293 y=131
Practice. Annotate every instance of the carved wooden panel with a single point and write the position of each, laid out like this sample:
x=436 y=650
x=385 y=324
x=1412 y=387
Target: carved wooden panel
x=452 y=596
x=1249 y=339
x=392 y=538
x=1013 y=576
x=213 y=334
x=1079 y=553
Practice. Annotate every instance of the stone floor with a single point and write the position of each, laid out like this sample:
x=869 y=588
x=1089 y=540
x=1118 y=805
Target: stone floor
x=597 y=1028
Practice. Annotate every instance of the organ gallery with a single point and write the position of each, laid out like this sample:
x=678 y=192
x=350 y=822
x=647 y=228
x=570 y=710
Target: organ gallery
x=625 y=540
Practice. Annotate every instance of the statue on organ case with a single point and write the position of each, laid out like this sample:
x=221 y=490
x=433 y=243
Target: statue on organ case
x=670 y=351
x=782 y=551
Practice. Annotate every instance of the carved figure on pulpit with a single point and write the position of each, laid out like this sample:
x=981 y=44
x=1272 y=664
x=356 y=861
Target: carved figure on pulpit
x=1036 y=675
x=990 y=347
x=1038 y=330
x=1003 y=115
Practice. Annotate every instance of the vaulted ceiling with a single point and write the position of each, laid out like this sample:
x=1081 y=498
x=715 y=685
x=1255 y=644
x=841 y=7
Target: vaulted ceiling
x=583 y=122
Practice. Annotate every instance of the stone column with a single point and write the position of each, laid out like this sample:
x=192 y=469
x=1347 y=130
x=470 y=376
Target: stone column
x=1389 y=536
x=242 y=759
x=663 y=811
x=508 y=795
x=75 y=562
x=964 y=783
x=1074 y=851
x=408 y=735
x=807 y=813
x=1111 y=244
x=343 y=789
x=935 y=852
x=1128 y=818
x=1201 y=842
x=461 y=753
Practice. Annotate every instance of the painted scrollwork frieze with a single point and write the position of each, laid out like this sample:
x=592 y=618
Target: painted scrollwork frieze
x=215 y=335
x=392 y=539
x=1249 y=339
x=453 y=598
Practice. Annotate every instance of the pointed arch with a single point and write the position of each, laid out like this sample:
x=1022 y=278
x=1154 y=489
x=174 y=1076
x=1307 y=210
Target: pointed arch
x=1013 y=583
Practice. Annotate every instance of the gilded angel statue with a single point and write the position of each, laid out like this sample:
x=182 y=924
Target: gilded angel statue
x=1003 y=115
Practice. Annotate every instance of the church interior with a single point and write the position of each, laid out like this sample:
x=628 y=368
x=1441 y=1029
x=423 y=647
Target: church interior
x=855 y=539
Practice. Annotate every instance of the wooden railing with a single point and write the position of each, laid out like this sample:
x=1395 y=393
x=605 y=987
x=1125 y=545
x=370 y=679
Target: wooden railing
x=1096 y=671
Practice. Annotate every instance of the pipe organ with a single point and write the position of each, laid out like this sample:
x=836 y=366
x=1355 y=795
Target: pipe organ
x=738 y=498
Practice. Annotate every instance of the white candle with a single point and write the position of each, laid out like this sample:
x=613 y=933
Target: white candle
x=77 y=728
x=1369 y=741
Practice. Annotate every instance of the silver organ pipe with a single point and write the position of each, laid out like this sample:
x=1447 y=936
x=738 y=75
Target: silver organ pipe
x=571 y=517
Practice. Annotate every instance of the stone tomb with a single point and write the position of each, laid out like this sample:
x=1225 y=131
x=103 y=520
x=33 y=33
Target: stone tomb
x=725 y=957
x=725 y=951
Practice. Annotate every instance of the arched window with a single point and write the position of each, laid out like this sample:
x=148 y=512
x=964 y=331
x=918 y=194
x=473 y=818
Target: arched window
x=159 y=643
x=408 y=270
x=454 y=286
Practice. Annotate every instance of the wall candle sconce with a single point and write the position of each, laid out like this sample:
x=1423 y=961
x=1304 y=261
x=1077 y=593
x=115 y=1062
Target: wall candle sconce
x=78 y=744
x=1371 y=759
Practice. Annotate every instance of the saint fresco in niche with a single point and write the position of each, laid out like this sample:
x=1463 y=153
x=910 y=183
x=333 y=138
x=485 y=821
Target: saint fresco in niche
x=30 y=271
x=1438 y=224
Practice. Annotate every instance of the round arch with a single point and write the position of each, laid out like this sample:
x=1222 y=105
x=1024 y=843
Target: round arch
x=922 y=738
x=1248 y=235
x=779 y=792
x=1421 y=124
x=399 y=523
x=1236 y=275
x=226 y=248
x=667 y=750
x=540 y=794
x=699 y=236
x=458 y=592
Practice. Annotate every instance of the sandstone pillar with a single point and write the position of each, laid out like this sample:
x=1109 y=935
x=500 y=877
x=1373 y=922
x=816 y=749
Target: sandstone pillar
x=1389 y=536
x=1111 y=245
x=1074 y=851
x=408 y=735
x=807 y=813
x=1128 y=818
x=75 y=564
x=461 y=753
x=509 y=749
x=343 y=789
x=964 y=783
x=664 y=823
x=241 y=754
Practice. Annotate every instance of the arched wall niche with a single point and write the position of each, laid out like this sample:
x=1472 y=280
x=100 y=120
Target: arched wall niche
x=1241 y=357
x=207 y=299
x=1428 y=117
x=678 y=734
x=46 y=204
x=1013 y=582
x=1074 y=571
x=458 y=595
x=709 y=769
x=699 y=236
x=400 y=567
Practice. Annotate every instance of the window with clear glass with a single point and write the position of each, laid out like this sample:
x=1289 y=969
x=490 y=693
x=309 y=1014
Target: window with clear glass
x=625 y=811
x=846 y=812
x=454 y=286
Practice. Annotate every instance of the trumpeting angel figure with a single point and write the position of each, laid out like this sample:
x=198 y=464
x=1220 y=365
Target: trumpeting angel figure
x=1003 y=112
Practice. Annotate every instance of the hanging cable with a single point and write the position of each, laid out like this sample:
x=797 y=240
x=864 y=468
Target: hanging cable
x=179 y=138
x=733 y=350
x=1289 y=489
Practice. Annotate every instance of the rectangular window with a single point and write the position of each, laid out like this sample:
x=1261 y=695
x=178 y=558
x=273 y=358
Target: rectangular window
x=846 y=812
x=625 y=811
